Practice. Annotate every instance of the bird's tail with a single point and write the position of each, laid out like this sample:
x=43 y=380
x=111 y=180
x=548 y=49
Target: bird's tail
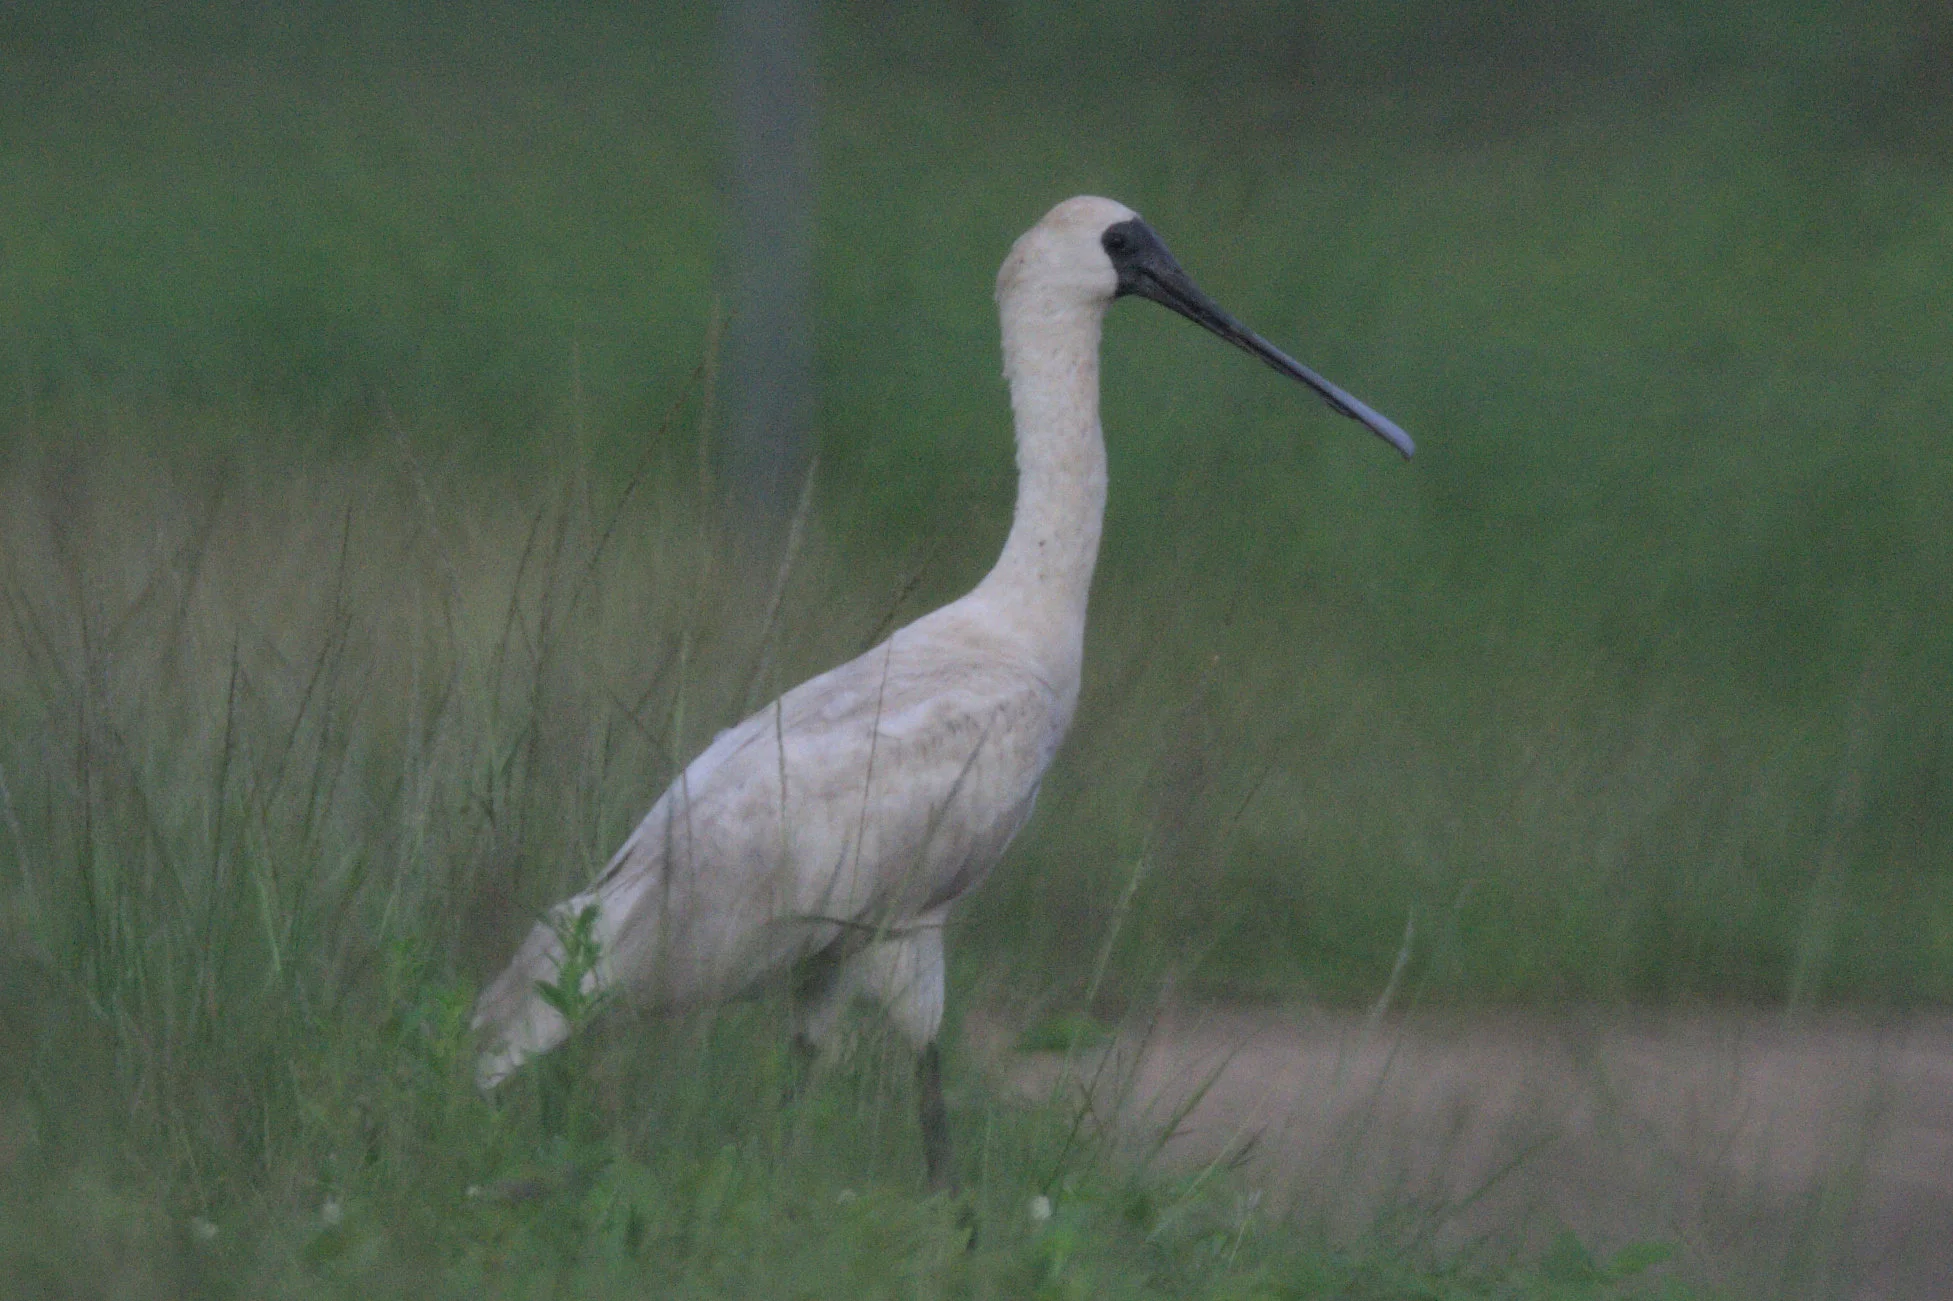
x=514 y=1018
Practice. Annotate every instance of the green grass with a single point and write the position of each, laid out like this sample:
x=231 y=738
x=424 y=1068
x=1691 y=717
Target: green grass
x=293 y=763
x=330 y=339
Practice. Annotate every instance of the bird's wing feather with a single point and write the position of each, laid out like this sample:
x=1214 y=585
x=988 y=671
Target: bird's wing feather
x=878 y=790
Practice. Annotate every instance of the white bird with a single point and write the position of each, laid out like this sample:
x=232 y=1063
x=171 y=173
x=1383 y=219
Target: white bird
x=826 y=837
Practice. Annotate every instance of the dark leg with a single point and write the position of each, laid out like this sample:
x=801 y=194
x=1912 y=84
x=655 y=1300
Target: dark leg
x=801 y=1055
x=809 y=986
x=935 y=1121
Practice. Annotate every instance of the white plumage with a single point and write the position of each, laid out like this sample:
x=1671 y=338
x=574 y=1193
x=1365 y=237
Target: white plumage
x=832 y=831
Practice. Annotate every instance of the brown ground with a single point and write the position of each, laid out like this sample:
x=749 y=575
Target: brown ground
x=1809 y=1158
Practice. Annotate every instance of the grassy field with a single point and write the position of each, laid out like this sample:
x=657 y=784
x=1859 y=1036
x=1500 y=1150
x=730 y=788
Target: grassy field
x=358 y=596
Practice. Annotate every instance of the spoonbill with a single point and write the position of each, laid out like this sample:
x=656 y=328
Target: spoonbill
x=825 y=838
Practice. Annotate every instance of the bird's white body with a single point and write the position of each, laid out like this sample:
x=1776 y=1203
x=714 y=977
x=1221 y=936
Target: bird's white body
x=846 y=817
x=829 y=833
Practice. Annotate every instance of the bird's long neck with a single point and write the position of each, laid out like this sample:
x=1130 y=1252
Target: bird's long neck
x=1039 y=585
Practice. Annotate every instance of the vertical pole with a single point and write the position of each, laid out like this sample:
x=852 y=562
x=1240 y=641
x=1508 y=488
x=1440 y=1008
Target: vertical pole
x=766 y=380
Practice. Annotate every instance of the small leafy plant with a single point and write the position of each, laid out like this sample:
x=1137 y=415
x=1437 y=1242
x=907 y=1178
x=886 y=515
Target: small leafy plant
x=578 y=998
x=582 y=951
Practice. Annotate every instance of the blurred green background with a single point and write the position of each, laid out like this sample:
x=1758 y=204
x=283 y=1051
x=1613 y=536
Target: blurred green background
x=1632 y=684
x=360 y=594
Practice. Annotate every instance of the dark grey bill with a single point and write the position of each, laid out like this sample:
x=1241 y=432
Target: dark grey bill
x=1147 y=269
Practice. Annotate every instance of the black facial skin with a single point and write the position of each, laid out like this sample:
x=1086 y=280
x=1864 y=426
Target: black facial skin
x=1145 y=268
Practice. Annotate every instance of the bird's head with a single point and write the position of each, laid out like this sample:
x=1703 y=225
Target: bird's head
x=1088 y=251
x=1063 y=258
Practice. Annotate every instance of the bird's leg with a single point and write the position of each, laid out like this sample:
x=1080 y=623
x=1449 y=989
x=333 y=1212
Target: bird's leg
x=815 y=995
x=935 y=1121
x=802 y=1053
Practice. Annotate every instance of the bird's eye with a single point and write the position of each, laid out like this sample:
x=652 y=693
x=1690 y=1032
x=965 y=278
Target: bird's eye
x=1117 y=241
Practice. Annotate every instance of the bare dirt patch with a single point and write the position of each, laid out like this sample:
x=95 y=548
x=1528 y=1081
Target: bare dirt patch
x=1806 y=1158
